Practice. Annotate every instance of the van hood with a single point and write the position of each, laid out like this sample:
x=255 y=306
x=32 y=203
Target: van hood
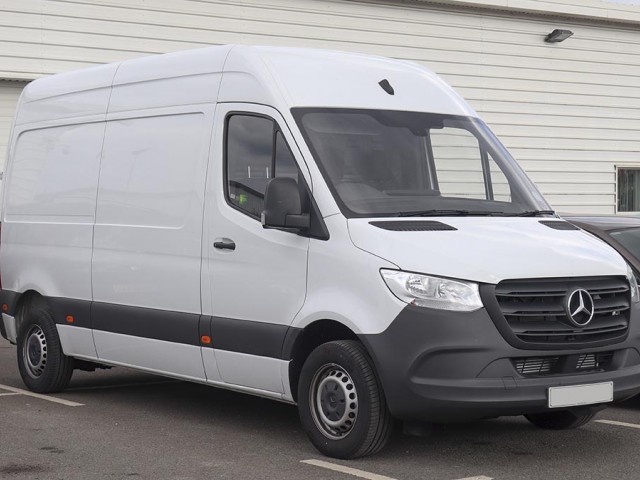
x=489 y=249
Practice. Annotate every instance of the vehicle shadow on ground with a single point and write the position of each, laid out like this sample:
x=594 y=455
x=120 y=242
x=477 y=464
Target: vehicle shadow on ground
x=632 y=403
x=510 y=445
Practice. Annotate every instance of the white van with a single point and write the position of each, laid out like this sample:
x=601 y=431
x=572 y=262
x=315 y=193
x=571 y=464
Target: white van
x=334 y=230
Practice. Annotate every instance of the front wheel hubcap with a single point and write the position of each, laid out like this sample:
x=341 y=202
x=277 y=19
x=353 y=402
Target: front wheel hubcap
x=34 y=352
x=334 y=401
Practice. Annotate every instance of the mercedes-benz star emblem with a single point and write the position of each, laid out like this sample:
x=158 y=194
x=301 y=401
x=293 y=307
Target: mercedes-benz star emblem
x=580 y=307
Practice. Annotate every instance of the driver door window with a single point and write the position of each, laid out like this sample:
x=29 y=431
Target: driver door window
x=256 y=152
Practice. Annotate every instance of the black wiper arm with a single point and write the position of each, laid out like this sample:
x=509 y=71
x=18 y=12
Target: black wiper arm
x=534 y=213
x=446 y=213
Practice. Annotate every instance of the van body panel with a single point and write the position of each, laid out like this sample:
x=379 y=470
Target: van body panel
x=239 y=86
x=158 y=324
x=51 y=185
x=44 y=159
x=8 y=328
x=172 y=65
x=352 y=293
x=253 y=371
x=74 y=94
x=77 y=341
x=32 y=253
x=158 y=356
x=210 y=363
x=165 y=92
x=269 y=265
x=307 y=78
x=148 y=233
x=467 y=253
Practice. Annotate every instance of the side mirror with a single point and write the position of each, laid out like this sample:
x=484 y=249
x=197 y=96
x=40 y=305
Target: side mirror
x=283 y=205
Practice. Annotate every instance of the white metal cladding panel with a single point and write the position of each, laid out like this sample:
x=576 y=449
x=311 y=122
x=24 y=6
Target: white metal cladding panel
x=568 y=112
x=9 y=94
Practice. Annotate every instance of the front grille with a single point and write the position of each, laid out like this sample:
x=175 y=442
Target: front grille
x=534 y=310
x=537 y=366
x=594 y=361
x=563 y=364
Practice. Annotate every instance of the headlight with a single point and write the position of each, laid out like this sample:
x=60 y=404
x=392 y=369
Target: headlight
x=433 y=292
x=633 y=285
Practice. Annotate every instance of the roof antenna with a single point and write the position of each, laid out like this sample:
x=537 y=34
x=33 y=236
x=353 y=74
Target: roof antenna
x=386 y=86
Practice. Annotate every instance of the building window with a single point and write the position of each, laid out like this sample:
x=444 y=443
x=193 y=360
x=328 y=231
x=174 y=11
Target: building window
x=628 y=189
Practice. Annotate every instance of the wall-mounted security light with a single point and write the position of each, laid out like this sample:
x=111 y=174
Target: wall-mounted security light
x=558 y=36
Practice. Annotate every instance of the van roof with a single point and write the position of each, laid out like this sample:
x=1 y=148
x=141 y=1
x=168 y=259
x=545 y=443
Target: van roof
x=276 y=76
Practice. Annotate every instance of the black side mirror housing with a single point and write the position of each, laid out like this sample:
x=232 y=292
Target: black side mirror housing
x=283 y=206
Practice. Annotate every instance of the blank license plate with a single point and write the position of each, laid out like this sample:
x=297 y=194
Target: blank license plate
x=580 y=395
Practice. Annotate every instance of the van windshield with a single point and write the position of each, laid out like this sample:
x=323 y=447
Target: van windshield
x=393 y=163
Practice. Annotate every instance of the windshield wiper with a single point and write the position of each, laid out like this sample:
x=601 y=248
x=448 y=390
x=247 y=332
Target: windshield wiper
x=534 y=213
x=447 y=213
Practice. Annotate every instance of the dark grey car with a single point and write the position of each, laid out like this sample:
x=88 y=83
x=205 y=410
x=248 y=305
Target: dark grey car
x=622 y=233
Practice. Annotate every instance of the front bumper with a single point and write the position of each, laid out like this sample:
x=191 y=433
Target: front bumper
x=443 y=367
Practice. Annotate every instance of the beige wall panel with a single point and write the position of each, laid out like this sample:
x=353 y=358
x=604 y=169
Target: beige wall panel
x=569 y=112
x=9 y=94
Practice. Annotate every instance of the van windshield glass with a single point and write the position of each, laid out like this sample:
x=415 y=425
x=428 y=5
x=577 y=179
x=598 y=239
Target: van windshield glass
x=392 y=163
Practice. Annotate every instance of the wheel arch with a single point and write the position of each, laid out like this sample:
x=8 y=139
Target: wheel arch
x=301 y=342
x=26 y=301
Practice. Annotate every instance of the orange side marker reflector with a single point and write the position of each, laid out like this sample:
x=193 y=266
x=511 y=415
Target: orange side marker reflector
x=70 y=319
x=205 y=339
x=5 y=307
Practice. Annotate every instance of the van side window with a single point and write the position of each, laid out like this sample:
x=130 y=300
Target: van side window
x=256 y=152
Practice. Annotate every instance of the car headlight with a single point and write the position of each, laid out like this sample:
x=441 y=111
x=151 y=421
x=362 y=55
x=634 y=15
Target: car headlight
x=633 y=285
x=433 y=292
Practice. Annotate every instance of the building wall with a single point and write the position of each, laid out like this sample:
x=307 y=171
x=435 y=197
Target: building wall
x=9 y=94
x=569 y=112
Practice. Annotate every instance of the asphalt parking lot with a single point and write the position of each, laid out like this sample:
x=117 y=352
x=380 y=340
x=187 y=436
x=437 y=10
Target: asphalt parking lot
x=122 y=424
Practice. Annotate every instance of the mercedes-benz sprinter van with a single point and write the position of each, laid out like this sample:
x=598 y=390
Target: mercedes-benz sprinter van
x=334 y=230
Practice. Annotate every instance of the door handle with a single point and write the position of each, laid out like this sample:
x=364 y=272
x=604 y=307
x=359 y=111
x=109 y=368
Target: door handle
x=224 y=244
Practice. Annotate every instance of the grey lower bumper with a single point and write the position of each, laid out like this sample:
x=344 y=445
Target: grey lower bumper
x=442 y=366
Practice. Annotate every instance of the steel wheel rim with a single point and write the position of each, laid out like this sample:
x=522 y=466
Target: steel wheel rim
x=334 y=401
x=34 y=352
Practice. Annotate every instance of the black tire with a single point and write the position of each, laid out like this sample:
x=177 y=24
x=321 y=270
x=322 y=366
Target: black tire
x=43 y=366
x=339 y=385
x=561 y=420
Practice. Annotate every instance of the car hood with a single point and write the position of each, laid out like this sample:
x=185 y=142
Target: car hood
x=489 y=249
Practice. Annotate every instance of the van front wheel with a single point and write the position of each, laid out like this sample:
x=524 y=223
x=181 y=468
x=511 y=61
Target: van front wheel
x=341 y=402
x=43 y=366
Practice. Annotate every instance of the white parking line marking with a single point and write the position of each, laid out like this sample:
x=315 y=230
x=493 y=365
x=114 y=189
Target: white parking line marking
x=348 y=470
x=481 y=477
x=61 y=401
x=619 y=424
x=9 y=394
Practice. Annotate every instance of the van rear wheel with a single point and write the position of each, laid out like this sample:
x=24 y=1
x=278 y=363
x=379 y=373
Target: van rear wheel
x=43 y=366
x=561 y=420
x=341 y=402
